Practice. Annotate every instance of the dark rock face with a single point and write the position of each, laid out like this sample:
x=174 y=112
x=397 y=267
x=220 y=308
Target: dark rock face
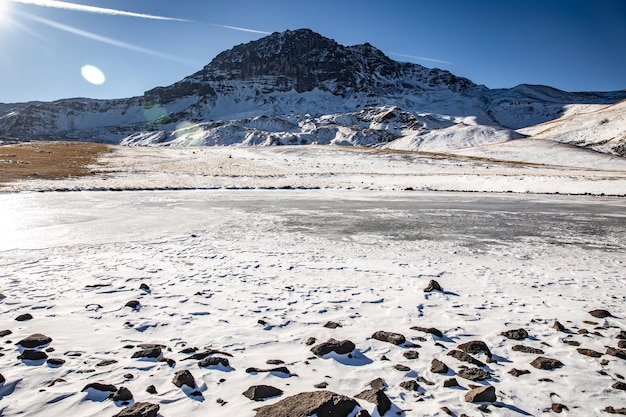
x=474 y=374
x=34 y=340
x=331 y=345
x=24 y=317
x=378 y=397
x=55 y=361
x=481 y=394
x=394 y=338
x=213 y=361
x=474 y=347
x=184 y=377
x=33 y=355
x=542 y=362
x=305 y=404
x=462 y=356
x=517 y=334
x=5 y=332
x=433 y=286
x=140 y=409
x=438 y=367
x=122 y=394
x=261 y=392
x=527 y=349
x=600 y=314
x=452 y=382
x=410 y=385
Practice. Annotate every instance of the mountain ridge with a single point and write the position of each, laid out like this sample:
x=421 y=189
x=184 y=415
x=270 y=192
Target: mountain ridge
x=299 y=87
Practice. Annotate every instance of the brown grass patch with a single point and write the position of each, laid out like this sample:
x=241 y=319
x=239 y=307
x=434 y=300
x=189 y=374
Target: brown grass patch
x=48 y=160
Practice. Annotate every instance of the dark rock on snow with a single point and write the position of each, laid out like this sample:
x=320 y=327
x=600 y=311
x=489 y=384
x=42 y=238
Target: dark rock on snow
x=24 y=317
x=542 y=362
x=394 y=338
x=411 y=354
x=517 y=334
x=134 y=304
x=261 y=392
x=430 y=330
x=321 y=385
x=35 y=340
x=474 y=347
x=213 y=361
x=600 y=314
x=122 y=394
x=55 y=361
x=331 y=345
x=464 y=357
x=619 y=353
x=518 y=372
x=438 y=367
x=322 y=403
x=184 y=377
x=99 y=386
x=474 y=374
x=152 y=353
x=378 y=397
x=619 y=385
x=589 y=352
x=481 y=394
x=280 y=369
x=433 y=286
x=452 y=382
x=378 y=383
x=33 y=355
x=332 y=325
x=527 y=349
x=5 y=333
x=410 y=385
x=140 y=409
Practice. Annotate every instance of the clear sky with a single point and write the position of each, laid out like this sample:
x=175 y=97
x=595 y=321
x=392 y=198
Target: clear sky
x=45 y=45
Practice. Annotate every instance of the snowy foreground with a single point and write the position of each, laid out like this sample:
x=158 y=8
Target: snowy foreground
x=253 y=274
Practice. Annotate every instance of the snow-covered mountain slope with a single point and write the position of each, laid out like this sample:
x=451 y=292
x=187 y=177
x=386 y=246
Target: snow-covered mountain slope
x=298 y=87
x=603 y=130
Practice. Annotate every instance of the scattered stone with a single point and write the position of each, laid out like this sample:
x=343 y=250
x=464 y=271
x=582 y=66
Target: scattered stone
x=189 y=350
x=310 y=341
x=384 y=358
x=619 y=385
x=452 y=382
x=474 y=374
x=378 y=383
x=331 y=345
x=184 y=377
x=122 y=394
x=430 y=330
x=49 y=349
x=621 y=344
x=612 y=410
x=378 y=397
x=24 y=317
x=558 y=408
x=144 y=287
x=5 y=332
x=201 y=355
x=35 y=340
x=151 y=389
x=261 y=392
x=411 y=354
x=410 y=385
x=484 y=408
x=55 y=361
x=170 y=362
x=559 y=327
x=394 y=338
x=527 y=349
x=433 y=286
x=280 y=369
x=447 y=411
x=213 y=361
x=621 y=335
x=600 y=314
x=152 y=353
x=542 y=362
x=438 y=367
x=57 y=381
x=583 y=331
x=474 y=347
x=321 y=385
x=573 y=343
x=140 y=409
x=462 y=356
x=73 y=354
x=322 y=403
x=518 y=372
x=517 y=334
x=2 y=379
x=332 y=325
x=129 y=376
x=99 y=386
x=106 y=362
x=221 y=402
x=619 y=353
x=33 y=355
x=134 y=304
x=274 y=362
x=481 y=394
x=589 y=352
x=425 y=381
x=401 y=368
x=545 y=380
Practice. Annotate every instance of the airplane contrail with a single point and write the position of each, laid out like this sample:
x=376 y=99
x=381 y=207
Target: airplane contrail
x=105 y=39
x=56 y=4
x=421 y=58
x=242 y=29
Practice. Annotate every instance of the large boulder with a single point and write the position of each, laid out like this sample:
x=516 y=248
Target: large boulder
x=34 y=340
x=305 y=404
x=481 y=394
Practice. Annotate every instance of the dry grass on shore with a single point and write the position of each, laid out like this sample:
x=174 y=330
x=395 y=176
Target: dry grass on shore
x=48 y=160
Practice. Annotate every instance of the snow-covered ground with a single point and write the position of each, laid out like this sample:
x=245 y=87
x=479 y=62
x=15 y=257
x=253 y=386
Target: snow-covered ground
x=217 y=253
x=255 y=273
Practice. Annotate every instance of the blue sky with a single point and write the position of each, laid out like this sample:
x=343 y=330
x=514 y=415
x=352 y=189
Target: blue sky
x=573 y=45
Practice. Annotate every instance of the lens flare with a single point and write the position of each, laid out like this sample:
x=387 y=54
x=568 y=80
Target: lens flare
x=93 y=74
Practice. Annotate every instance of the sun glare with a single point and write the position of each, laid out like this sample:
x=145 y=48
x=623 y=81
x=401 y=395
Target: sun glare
x=5 y=11
x=92 y=74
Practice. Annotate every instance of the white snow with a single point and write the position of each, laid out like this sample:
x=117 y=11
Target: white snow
x=254 y=273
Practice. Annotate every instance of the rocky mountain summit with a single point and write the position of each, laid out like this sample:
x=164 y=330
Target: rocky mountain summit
x=298 y=87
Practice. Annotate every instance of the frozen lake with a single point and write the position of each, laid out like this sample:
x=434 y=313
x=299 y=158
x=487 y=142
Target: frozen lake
x=40 y=220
